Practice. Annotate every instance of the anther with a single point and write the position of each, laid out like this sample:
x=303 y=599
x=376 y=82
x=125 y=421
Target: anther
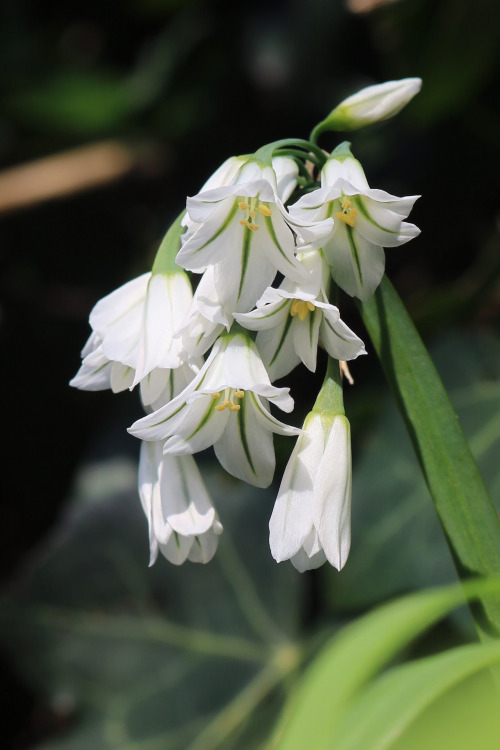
x=265 y=210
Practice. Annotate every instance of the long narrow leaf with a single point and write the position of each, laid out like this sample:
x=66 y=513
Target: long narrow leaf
x=462 y=502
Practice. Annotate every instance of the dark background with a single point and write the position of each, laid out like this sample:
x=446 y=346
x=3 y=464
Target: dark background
x=182 y=85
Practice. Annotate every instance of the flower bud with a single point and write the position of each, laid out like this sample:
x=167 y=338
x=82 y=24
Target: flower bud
x=371 y=104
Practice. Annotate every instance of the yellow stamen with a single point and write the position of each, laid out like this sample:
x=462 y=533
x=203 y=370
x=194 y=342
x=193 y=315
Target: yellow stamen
x=265 y=210
x=229 y=403
x=244 y=206
x=252 y=227
x=348 y=214
x=252 y=214
x=301 y=308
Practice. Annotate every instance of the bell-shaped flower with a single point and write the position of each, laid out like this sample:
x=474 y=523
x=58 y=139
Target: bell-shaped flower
x=365 y=221
x=291 y=319
x=311 y=520
x=371 y=104
x=183 y=524
x=225 y=405
x=133 y=335
x=246 y=235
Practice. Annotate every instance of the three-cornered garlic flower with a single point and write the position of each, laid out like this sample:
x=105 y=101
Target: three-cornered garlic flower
x=291 y=319
x=371 y=104
x=245 y=235
x=365 y=221
x=183 y=523
x=133 y=335
x=225 y=405
x=311 y=520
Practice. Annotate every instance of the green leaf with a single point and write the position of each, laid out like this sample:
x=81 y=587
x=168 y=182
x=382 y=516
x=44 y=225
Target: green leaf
x=462 y=502
x=388 y=706
x=353 y=657
x=397 y=541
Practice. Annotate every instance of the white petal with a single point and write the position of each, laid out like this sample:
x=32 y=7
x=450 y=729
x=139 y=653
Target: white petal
x=338 y=339
x=266 y=418
x=292 y=517
x=122 y=377
x=94 y=373
x=245 y=449
x=349 y=169
x=332 y=490
x=200 y=428
x=205 y=545
x=381 y=225
x=177 y=548
x=356 y=264
x=186 y=504
x=286 y=176
x=167 y=301
x=305 y=338
x=302 y=562
x=117 y=320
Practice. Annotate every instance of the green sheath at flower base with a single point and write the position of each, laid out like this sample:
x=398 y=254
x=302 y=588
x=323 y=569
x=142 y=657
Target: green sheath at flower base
x=169 y=247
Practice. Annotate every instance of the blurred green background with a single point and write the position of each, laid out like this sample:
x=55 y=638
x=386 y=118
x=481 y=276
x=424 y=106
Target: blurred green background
x=160 y=92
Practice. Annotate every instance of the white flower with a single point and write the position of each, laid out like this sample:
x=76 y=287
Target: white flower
x=372 y=104
x=245 y=235
x=133 y=335
x=365 y=221
x=225 y=405
x=291 y=319
x=311 y=520
x=183 y=523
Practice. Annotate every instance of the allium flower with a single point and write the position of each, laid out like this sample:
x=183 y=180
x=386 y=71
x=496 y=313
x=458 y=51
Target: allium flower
x=311 y=520
x=292 y=318
x=365 y=221
x=133 y=335
x=225 y=405
x=245 y=235
x=183 y=523
x=371 y=104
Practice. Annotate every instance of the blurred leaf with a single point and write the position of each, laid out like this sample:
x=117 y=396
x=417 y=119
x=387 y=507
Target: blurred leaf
x=161 y=657
x=460 y=497
x=343 y=668
x=398 y=543
x=389 y=705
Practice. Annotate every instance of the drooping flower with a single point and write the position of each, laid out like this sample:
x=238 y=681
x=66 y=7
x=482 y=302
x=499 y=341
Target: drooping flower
x=371 y=104
x=365 y=221
x=311 y=520
x=245 y=235
x=225 y=405
x=183 y=524
x=133 y=335
x=291 y=319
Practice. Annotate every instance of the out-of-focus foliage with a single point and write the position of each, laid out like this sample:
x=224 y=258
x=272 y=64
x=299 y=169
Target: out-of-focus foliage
x=343 y=704
x=169 y=657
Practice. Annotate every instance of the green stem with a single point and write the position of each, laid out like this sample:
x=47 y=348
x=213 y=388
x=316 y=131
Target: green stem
x=462 y=503
x=266 y=153
x=330 y=398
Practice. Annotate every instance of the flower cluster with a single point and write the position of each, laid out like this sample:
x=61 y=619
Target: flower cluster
x=269 y=240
